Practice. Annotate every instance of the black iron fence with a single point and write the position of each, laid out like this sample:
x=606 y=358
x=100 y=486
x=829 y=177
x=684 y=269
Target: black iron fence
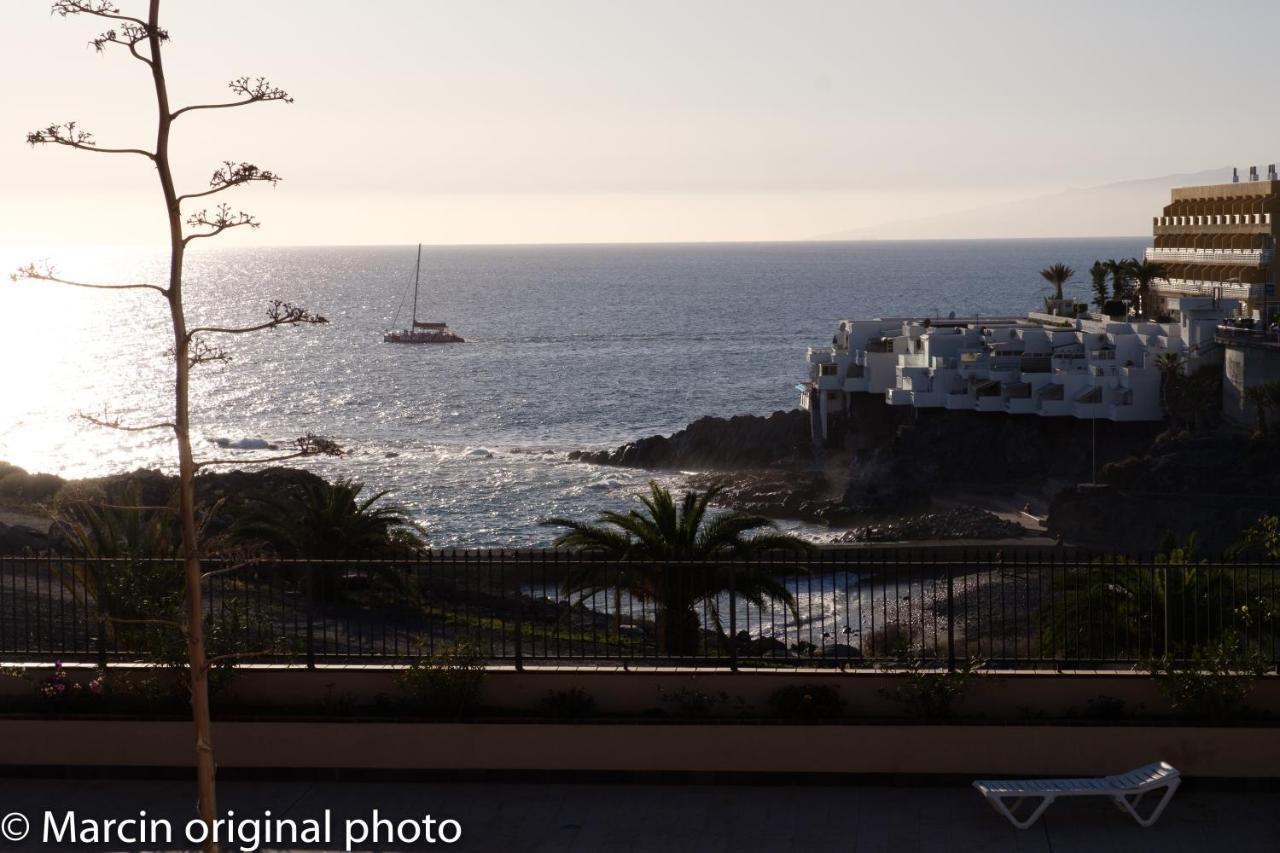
x=853 y=607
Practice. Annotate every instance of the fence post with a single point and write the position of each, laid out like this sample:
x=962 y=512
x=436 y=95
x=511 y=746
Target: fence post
x=951 y=617
x=311 y=616
x=1165 y=579
x=519 y=617
x=102 y=629
x=733 y=617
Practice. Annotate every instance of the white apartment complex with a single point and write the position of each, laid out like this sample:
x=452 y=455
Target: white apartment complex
x=1045 y=365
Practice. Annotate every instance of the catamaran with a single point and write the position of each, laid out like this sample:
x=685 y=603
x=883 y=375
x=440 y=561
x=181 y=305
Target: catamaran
x=420 y=331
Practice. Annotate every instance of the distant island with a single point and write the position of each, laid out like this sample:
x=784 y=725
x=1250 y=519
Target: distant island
x=1121 y=209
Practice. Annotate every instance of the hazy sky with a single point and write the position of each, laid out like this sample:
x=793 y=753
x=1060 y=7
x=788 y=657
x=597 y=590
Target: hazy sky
x=476 y=121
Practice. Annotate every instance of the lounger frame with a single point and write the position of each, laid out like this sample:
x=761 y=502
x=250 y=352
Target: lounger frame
x=1127 y=791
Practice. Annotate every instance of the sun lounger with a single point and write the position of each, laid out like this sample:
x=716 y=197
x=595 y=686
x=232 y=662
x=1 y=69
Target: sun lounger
x=1126 y=790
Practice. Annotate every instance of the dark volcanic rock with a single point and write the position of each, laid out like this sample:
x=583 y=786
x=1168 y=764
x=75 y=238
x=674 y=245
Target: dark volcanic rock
x=900 y=470
x=957 y=523
x=737 y=443
x=19 y=539
x=1215 y=487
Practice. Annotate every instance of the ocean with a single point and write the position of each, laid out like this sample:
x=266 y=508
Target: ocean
x=567 y=347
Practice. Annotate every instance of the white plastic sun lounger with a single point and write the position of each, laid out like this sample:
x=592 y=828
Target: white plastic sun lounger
x=1126 y=790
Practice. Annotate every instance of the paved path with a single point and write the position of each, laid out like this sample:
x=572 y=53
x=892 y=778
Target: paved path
x=620 y=818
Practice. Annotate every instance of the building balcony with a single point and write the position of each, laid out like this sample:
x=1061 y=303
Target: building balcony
x=1020 y=406
x=830 y=382
x=1234 y=257
x=1055 y=408
x=1091 y=410
x=1226 y=289
x=1201 y=220
x=819 y=355
x=1036 y=363
x=898 y=397
x=992 y=403
x=1224 y=228
x=1239 y=336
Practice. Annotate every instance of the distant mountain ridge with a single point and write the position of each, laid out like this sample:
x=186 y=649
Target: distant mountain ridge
x=1122 y=209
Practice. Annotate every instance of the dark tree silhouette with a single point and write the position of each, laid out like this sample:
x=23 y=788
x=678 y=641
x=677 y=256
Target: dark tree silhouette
x=144 y=38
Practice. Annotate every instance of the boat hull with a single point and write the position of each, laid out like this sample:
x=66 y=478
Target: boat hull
x=408 y=337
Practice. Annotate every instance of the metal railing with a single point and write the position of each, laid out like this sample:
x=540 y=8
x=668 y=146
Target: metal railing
x=850 y=607
x=1209 y=256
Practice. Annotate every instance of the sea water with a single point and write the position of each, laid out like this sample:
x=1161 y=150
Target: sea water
x=567 y=347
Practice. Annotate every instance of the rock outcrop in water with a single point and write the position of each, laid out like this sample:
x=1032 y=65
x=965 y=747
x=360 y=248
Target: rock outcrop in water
x=724 y=444
x=881 y=461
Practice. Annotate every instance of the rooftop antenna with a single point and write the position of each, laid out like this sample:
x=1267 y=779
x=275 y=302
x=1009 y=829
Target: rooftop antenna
x=1235 y=175
x=1271 y=172
x=1253 y=173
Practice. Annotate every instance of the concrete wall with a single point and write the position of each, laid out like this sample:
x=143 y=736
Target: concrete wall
x=1014 y=695
x=1020 y=746
x=1245 y=367
x=1236 y=752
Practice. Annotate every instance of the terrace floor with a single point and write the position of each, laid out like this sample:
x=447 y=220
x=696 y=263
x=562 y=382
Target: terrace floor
x=612 y=818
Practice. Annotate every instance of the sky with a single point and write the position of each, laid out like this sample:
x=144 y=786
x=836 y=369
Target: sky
x=476 y=121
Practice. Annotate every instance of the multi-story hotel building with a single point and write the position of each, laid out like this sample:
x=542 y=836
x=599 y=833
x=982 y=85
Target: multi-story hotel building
x=1217 y=242
x=1220 y=240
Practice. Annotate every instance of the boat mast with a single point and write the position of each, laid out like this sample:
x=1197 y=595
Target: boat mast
x=416 y=267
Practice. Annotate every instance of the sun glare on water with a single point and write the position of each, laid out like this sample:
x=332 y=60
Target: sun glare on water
x=66 y=351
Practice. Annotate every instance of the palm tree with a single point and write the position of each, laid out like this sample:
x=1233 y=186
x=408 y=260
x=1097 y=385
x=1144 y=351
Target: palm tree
x=126 y=548
x=1263 y=397
x=331 y=522
x=1057 y=275
x=671 y=556
x=1119 y=271
x=1170 y=365
x=1098 y=272
x=1145 y=272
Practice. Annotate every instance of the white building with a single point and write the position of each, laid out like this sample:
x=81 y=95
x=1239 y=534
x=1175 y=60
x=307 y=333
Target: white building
x=1045 y=365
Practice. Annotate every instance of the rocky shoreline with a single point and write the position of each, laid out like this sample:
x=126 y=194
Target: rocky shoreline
x=883 y=470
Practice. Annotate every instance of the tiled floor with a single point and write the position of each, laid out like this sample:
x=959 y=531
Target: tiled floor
x=612 y=818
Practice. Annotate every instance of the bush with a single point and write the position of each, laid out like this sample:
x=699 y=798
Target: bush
x=572 y=704
x=692 y=702
x=449 y=682
x=19 y=487
x=1213 y=683
x=806 y=702
x=928 y=693
x=1115 y=308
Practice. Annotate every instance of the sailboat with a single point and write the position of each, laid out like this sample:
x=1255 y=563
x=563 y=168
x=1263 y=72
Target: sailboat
x=420 y=331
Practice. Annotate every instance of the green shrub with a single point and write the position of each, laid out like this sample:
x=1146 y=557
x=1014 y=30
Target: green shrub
x=572 y=704
x=927 y=692
x=806 y=702
x=448 y=683
x=1214 y=683
x=1105 y=708
x=692 y=702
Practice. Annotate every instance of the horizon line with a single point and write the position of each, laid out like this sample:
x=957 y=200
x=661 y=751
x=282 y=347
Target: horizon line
x=8 y=247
